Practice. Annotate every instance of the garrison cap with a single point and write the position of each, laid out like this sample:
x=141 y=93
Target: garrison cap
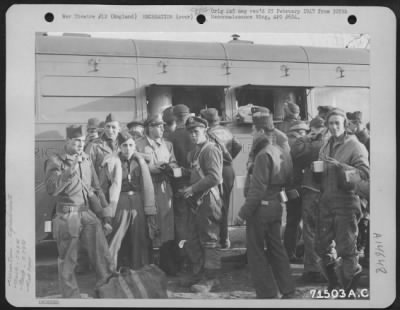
x=355 y=116
x=110 y=118
x=74 y=131
x=154 y=120
x=93 y=123
x=181 y=109
x=135 y=122
x=211 y=115
x=299 y=125
x=195 y=121
x=124 y=136
x=317 y=122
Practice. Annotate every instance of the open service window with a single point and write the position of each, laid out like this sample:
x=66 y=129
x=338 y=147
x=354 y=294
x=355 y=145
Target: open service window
x=195 y=97
x=273 y=98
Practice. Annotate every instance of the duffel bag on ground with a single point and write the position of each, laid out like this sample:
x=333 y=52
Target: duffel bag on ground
x=148 y=282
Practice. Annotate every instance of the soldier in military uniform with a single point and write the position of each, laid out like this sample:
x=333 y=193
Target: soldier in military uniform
x=230 y=148
x=161 y=164
x=272 y=135
x=262 y=212
x=71 y=178
x=106 y=145
x=206 y=203
x=345 y=165
x=182 y=145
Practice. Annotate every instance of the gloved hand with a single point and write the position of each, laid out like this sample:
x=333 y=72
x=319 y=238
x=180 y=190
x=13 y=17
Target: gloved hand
x=166 y=169
x=107 y=225
x=185 y=172
x=152 y=226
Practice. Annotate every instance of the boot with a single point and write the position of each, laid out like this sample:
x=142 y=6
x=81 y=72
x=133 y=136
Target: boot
x=348 y=284
x=212 y=263
x=193 y=276
x=208 y=282
x=328 y=271
x=353 y=283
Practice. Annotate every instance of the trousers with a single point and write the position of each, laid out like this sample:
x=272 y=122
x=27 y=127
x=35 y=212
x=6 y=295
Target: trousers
x=203 y=232
x=293 y=218
x=340 y=225
x=271 y=268
x=228 y=176
x=309 y=216
x=70 y=230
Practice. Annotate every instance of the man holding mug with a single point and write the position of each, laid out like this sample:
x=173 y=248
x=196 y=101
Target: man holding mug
x=71 y=178
x=345 y=163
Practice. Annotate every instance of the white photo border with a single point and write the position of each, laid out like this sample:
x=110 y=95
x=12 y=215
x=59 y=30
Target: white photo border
x=24 y=21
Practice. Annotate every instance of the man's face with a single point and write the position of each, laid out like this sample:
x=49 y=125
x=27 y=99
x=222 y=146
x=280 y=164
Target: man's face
x=111 y=129
x=156 y=132
x=76 y=145
x=128 y=148
x=336 y=125
x=198 y=134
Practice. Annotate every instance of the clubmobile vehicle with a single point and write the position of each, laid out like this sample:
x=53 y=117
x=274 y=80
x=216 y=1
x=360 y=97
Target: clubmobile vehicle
x=79 y=77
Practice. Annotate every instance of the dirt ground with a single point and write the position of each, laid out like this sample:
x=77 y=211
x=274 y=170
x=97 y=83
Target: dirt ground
x=234 y=282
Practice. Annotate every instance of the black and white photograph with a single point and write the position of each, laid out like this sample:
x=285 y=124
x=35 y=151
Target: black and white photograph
x=201 y=165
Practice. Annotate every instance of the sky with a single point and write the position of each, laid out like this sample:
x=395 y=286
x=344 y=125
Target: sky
x=304 y=39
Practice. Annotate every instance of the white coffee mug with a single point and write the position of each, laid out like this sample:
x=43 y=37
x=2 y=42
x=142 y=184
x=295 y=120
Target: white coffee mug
x=177 y=172
x=47 y=226
x=317 y=166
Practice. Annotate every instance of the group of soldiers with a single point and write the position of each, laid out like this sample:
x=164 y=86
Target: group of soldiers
x=166 y=183
x=329 y=200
